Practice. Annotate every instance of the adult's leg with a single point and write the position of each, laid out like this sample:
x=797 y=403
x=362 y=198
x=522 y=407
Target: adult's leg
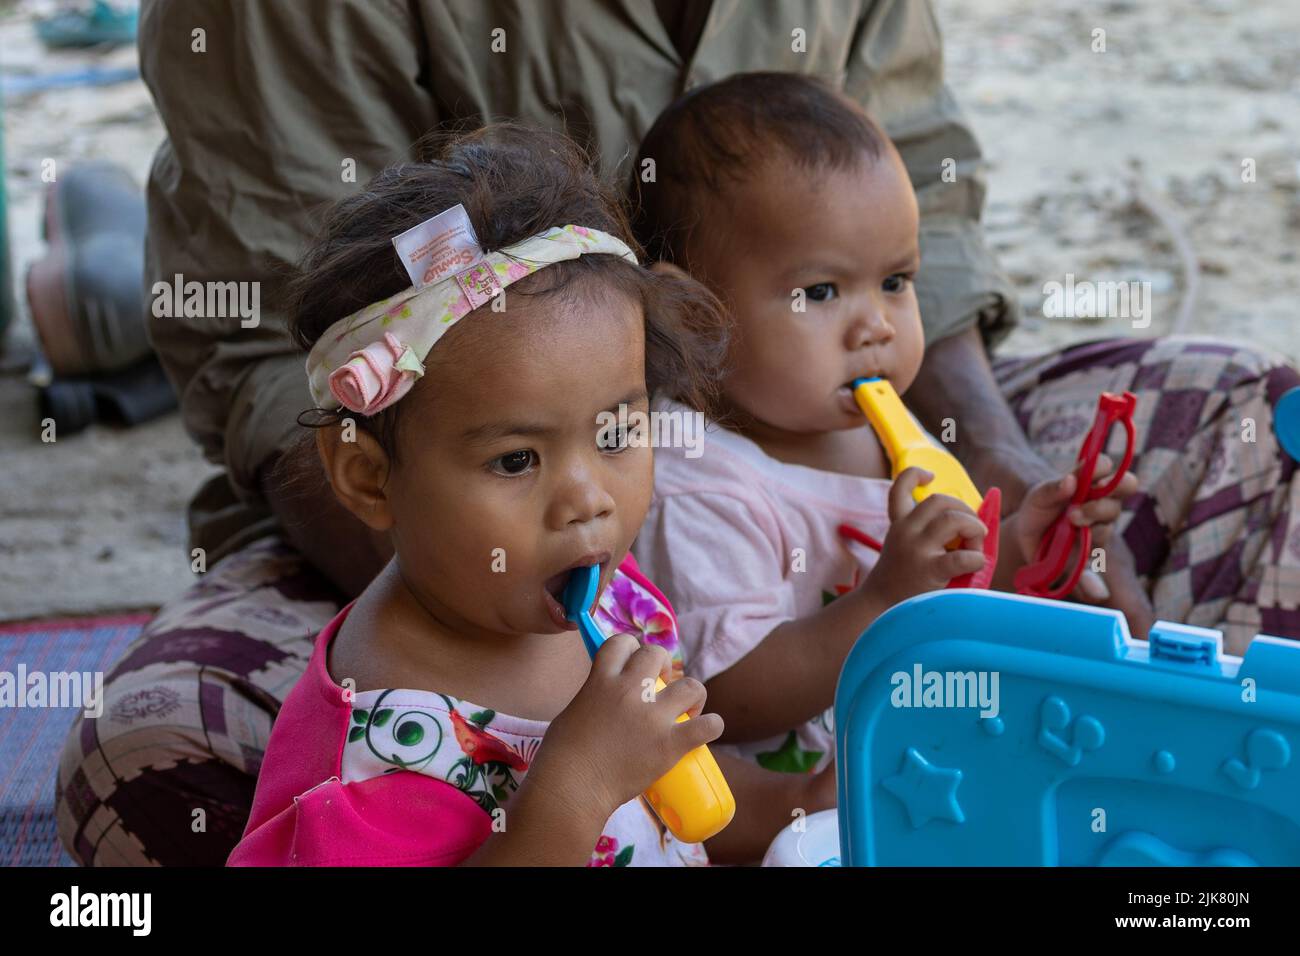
x=166 y=774
x=1215 y=527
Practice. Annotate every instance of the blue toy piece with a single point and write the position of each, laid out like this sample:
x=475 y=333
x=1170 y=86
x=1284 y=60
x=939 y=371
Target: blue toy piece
x=1093 y=748
x=579 y=595
x=1286 y=422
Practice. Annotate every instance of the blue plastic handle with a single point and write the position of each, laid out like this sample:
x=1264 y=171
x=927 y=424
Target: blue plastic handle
x=579 y=596
x=1286 y=422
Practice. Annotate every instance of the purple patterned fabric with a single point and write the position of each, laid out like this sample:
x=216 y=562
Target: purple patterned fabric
x=1215 y=528
x=166 y=775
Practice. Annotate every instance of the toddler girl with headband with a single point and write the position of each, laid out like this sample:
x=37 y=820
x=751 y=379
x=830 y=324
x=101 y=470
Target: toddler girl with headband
x=468 y=320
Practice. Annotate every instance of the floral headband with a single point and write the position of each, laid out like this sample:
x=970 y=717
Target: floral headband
x=371 y=358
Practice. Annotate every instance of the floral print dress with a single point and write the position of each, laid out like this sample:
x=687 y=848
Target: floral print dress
x=413 y=777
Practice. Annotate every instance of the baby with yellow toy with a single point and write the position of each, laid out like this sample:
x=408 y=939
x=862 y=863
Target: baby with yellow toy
x=795 y=527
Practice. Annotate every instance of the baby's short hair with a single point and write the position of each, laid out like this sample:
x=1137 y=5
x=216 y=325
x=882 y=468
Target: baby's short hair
x=717 y=135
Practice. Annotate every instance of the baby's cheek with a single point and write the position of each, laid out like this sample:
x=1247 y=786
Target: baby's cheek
x=910 y=343
x=474 y=556
x=773 y=390
x=497 y=589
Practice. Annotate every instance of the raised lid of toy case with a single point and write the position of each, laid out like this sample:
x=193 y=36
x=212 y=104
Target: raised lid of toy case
x=977 y=728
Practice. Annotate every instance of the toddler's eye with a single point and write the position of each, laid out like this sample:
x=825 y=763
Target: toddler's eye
x=897 y=282
x=614 y=440
x=514 y=463
x=821 y=292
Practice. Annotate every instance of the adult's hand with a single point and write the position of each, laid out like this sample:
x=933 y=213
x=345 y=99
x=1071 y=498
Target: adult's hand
x=339 y=545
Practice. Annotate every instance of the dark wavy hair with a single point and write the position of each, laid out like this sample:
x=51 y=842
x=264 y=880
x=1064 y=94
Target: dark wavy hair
x=514 y=182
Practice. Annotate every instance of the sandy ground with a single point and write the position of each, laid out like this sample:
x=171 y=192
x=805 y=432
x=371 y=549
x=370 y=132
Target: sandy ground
x=95 y=521
x=1122 y=165
x=1185 y=91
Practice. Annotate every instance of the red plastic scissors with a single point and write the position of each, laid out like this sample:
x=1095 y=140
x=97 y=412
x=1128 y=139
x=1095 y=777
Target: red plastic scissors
x=1062 y=537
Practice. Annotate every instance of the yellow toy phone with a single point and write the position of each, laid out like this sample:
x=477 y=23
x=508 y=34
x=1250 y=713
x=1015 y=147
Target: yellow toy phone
x=693 y=799
x=907 y=445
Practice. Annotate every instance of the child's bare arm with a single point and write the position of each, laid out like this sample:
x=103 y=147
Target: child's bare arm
x=765 y=802
x=789 y=678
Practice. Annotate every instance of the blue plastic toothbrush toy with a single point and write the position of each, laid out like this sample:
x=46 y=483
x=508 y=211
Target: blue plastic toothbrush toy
x=692 y=799
x=579 y=597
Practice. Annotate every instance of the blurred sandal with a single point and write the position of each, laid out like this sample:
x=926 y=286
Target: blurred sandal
x=130 y=397
x=86 y=293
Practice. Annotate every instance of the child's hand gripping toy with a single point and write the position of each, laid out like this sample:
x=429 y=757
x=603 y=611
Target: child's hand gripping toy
x=692 y=799
x=1062 y=537
x=907 y=445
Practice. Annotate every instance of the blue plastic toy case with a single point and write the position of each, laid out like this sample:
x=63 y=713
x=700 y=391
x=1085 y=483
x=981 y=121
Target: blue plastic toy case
x=990 y=729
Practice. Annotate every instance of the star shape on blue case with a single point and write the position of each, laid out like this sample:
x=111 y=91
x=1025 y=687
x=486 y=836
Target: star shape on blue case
x=929 y=792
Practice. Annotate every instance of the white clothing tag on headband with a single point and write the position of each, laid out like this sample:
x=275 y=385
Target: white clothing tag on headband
x=439 y=247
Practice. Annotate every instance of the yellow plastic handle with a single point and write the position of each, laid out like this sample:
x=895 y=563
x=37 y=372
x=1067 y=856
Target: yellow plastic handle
x=692 y=799
x=907 y=445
